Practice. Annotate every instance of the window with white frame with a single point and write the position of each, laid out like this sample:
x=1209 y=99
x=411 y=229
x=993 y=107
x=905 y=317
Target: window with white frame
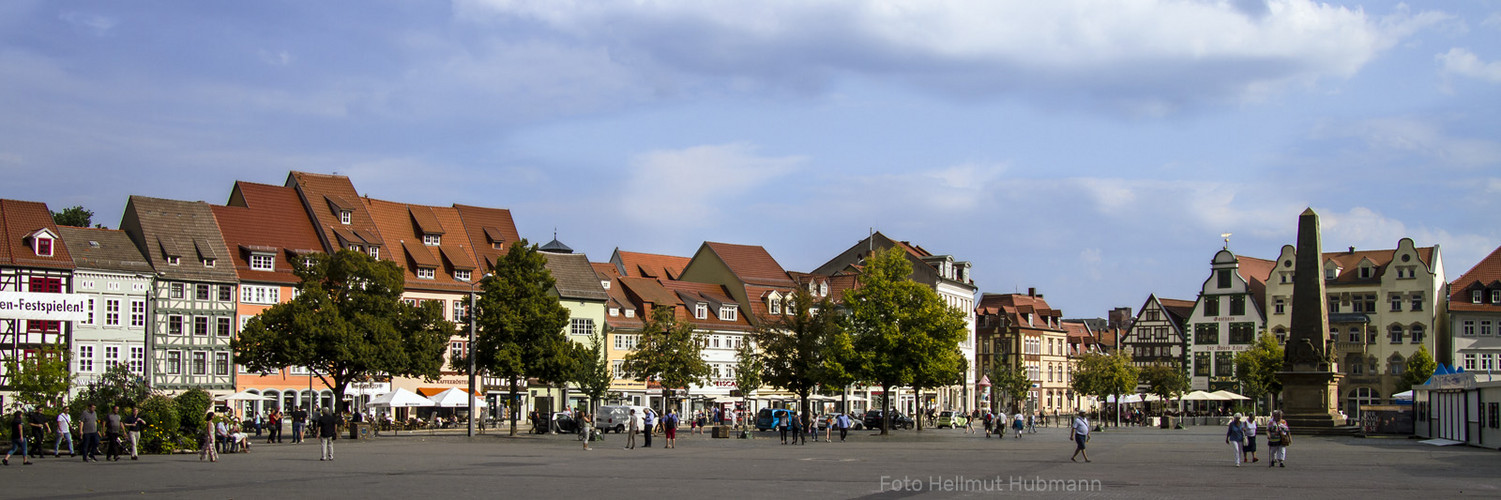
x=221 y=363
x=1475 y=296
x=1496 y=296
x=200 y=325
x=222 y=326
x=614 y=311
x=728 y=312
x=427 y=273
x=90 y=319
x=111 y=356
x=630 y=313
x=461 y=275
x=461 y=311
x=345 y=216
x=604 y=284
x=617 y=368
x=200 y=363
x=173 y=260
x=774 y=305
x=174 y=324
x=260 y=294
x=176 y=290
x=112 y=312
x=1486 y=363
x=1485 y=327
x=1468 y=328
x=43 y=245
x=209 y=262
x=85 y=358
x=455 y=350
x=137 y=313
x=432 y=240
x=701 y=310
x=374 y=252
x=262 y=262
x=138 y=360
x=1469 y=362
x=174 y=362
x=581 y=326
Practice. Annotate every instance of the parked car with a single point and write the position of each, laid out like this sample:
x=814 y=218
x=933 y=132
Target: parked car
x=873 y=420
x=771 y=418
x=951 y=419
x=616 y=417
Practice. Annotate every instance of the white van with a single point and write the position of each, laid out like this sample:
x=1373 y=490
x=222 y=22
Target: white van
x=614 y=418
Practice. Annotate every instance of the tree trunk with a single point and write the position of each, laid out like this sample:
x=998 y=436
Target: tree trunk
x=885 y=409
x=510 y=408
x=919 y=414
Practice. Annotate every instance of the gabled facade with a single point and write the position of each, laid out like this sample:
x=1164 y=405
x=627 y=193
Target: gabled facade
x=33 y=258
x=647 y=265
x=341 y=218
x=706 y=306
x=1475 y=315
x=578 y=288
x=112 y=271
x=266 y=231
x=1082 y=339
x=1023 y=330
x=193 y=301
x=952 y=280
x=623 y=321
x=1226 y=318
x=1157 y=335
x=1383 y=305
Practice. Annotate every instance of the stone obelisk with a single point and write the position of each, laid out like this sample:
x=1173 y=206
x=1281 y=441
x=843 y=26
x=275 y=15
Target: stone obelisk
x=1310 y=384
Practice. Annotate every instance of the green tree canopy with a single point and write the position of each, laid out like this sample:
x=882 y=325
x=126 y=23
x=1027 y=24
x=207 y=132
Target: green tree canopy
x=1165 y=381
x=1257 y=368
x=593 y=370
x=668 y=353
x=1102 y=375
x=748 y=368
x=902 y=331
x=347 y=322
x=117 y=386
x=520 y=323
x=1009 y=382
x=41 y=380
x=1419 y=368
x=75 y=216
x=802 y=351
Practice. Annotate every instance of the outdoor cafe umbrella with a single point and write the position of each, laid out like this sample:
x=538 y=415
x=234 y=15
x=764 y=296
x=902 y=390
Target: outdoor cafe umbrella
x=243 y=396
x=1229 y=395
x=455 y=397
x=400 y=398
x=1203 y=396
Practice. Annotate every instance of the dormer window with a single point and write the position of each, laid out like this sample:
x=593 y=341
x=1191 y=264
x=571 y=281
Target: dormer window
x=728 y=312
x=1331 y=273
x=209 y=262
x=173 y=260
x=614 y=311
x=1475 y=295
x=262 y=262
x=775 y=305
x=1365 y=272
x=427 y=273
x=1496 y=296
x=630 y=313
x=823 y=289
x=354 y=248
x=432 y=240
x=375 y=252
x=461 y=275
x=701 y=310
x=42 y=244
x=345 y=216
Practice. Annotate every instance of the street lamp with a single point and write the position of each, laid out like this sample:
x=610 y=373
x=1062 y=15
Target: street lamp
x=472 y=394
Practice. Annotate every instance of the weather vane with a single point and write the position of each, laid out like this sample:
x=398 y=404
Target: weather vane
x=1226 y=236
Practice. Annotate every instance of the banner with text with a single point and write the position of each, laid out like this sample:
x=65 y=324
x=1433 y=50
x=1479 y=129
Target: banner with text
x=44 y=306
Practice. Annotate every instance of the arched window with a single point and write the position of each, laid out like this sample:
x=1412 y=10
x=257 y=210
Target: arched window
x=1395 y=364
x=1395 y=332
x=1358 y=397
x=1281 y=334
x=1355 y=364
x=1417 y=333
x=273 y=399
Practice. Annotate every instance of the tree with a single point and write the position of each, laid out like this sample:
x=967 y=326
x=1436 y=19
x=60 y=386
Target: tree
x=520 y=324
x=40 y=380
x=1419 y=368
x=75 y=216
x=1009 y=381
x=347 y=322
x=748 y=368
x=800 y=352
x=1102 y=375
x=899 y=327
x=117 y=386
x=593 y=369
x=1165 y=381
x=668 y=353
x=1257 y=368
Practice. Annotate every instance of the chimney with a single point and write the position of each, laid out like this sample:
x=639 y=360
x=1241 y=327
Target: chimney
x=1031 y=291
x=1352 y=249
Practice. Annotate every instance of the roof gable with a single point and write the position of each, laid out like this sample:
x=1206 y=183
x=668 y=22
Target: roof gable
x=20 y=223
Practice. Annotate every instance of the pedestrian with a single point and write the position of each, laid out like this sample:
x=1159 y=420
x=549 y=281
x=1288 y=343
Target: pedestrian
x=1278 y=437
x=206 y=449
x=1235 y=435
x=114 y=430
x=328 y=432
x=41 y=425
x=260 y=421
x=844 y=425
x=1032 y=424
x=134 y=424
x=299 y=420
x=969 y=423
x=88 y=426
x=18 y=425
x=1250 y=448
x=1017 y=425
x=1079 y=431
x=650 y=419
x=797 y=428
x=989 y=421
x=274 y=435
x=670 y=428
x=64 y=432
x=828 y=428
x=782 y=425
x=630 y=436
x=586 y=429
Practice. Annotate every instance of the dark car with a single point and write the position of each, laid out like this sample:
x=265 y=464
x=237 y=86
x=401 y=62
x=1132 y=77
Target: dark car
x=873 y=420
x=562 y=423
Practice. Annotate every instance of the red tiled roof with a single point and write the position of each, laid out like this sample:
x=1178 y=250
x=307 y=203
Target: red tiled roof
x=1349 y=262
x=647 y=265
x=491 y=231
x=19 y=220
x=400 y=231
x=263 y=217
x=319 y=192
x=752 y=264
x=1256 y=272
x=1014 y=305
x=1485 y=274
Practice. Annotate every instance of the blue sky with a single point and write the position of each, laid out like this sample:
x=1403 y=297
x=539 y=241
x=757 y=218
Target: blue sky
x=1095 y=150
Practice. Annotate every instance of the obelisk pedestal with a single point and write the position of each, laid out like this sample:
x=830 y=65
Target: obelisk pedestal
x=1310 y=385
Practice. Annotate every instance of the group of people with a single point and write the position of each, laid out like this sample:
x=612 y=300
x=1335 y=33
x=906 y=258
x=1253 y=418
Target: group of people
x=1241 y=434
x=227 y=434
x=646 y=423
x=996 y=423
x=29 y=431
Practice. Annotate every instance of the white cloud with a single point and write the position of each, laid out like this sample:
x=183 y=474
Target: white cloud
x=1462 y=62
x=688 y=187
x=1151 y=55
x=275 y=57
x=94 y=24
x=1422 y=138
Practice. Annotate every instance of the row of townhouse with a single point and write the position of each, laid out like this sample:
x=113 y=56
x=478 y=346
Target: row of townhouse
x=171 y=288
x=1015 y=329
x=1382 y=307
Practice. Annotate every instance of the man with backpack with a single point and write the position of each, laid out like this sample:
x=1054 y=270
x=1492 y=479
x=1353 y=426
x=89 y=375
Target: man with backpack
x=670 y=428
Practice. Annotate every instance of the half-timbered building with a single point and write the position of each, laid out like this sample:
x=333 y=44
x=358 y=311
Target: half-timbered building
x=33 y=259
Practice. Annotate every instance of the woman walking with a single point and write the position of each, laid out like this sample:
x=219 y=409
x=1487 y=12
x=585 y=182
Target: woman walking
x=17 y=439
x=1277 y=438
x=1235 y=436
x=1250 y=441
x=207 y=450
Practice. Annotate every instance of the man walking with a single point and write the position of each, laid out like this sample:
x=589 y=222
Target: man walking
x=114 y=428
x=134 y=424
x=651 y=422
x=1080 y=433
x=89 y=427
x=843 y=420
x=630 y=431
x=273 y=435
x=64 y=431
x=670 y=428
x=41 y=424
x=328 y=431
x=299 y=419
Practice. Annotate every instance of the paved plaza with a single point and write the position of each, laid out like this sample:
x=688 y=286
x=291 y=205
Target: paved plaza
x=1128 y=463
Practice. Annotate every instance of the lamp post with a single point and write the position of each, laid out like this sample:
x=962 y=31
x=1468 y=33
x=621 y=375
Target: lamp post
x=470 y=355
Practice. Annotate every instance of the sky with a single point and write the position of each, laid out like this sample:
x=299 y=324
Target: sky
x=1093 y=150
